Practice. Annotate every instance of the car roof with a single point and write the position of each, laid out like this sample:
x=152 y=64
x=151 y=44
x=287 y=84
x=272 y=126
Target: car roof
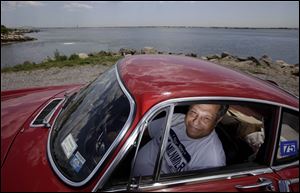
x=155 y=78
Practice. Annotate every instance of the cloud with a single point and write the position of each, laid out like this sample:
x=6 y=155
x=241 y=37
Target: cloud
x=14 y=4
x=71 y=6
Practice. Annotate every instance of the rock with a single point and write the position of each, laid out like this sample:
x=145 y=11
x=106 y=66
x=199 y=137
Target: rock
x=83 y=55
x=164 y=53
x=15 y=38
x=225 y=54
x=282 y=63
x=127 y=51
x=253 y=59
x=241 y=59
x=229 y=58
x=214 y=56
x=104 y=53
x=266 y=60
x=295 y=71
x=191 y=55
x=148 y=50
x=214 y=60
x=203 y=58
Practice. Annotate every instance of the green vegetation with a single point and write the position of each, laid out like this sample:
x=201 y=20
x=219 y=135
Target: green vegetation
x=62 y=61
x=5 y=30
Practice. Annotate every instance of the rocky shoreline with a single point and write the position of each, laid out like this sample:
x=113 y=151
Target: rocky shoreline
x=284 y=74
x=17 y=35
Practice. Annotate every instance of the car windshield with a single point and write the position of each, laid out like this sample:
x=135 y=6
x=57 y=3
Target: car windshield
x=87 y=126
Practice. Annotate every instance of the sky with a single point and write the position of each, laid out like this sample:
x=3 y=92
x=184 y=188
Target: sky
x=258 y=14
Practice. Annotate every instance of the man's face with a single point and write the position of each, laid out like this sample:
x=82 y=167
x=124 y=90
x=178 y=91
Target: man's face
x=201 y=119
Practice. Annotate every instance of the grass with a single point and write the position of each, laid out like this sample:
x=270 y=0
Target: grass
x=63 y=61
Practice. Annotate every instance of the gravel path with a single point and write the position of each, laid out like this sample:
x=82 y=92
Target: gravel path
x=52 y=76
x=84 y=74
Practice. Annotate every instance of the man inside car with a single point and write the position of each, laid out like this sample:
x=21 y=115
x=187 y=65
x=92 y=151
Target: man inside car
x=192 y=143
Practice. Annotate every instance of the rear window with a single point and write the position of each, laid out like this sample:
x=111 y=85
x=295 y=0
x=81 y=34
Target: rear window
x=87 y=127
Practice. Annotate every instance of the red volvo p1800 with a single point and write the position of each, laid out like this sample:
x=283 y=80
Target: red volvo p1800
x=87 y=137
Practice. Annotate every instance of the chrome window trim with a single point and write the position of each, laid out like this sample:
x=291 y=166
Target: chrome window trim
x=51 y=113
x=165 y=104
x=294 y=180
x=284 y=166
x=113 y=145
x=164 y=143
x=276 y=135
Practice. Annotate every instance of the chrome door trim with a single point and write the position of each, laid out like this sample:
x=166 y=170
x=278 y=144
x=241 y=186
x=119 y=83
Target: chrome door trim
x=159 y=185
x=284 y=166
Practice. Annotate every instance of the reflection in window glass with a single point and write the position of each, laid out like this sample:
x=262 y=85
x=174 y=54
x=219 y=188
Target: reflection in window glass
x=87 y=127
x=289 y=137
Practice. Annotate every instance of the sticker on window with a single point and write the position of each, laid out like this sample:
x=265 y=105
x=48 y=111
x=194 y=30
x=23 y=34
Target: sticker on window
x=77 y=161
x=69 y=145
x=288 y=148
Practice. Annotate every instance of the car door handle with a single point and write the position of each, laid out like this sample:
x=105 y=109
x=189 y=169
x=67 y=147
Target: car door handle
x=262 y=182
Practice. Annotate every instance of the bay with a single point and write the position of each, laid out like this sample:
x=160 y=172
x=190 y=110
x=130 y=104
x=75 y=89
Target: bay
x=279 y=44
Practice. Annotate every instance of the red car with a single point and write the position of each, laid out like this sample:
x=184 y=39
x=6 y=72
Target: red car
x=87 y=137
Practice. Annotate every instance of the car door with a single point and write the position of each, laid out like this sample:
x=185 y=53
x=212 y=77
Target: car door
x=286 y=159
x=244 y=176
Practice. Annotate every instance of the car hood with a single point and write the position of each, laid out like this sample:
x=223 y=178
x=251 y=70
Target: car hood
x=17 y=106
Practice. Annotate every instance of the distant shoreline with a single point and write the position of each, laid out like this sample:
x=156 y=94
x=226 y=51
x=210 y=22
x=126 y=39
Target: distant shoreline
x=212 y=27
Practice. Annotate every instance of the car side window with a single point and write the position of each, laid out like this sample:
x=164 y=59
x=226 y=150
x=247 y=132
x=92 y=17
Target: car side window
x=148 y=151
x=236 y=139
x=288 y=144
x=120 y=177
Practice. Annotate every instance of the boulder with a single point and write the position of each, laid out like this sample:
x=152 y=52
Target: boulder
x=225 y=54
x=191 y=55
x=164 y=53
x=253 y=59
x=266 y=60
x=127 y=51
x=104 y=53
x=282 y=63
x=214 y=56
x=295 y=71
x=230 y=58
x=241 y=59
x=83 y=55
x=148 y=50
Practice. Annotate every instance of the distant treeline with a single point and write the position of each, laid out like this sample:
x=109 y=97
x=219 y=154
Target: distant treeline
x=5 y=30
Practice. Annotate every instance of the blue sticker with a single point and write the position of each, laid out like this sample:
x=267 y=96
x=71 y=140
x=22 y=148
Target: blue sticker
x=288 y=148
x=77 y=161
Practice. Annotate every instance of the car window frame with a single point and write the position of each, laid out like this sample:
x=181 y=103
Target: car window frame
x=256 y=171
x=164 y=104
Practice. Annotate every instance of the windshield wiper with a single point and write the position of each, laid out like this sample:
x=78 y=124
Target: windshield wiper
x=68 y=99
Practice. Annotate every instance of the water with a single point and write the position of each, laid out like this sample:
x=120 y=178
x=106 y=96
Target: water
x=279 y=44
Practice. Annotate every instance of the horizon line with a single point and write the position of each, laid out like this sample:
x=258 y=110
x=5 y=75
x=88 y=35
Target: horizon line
x=152 y=26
